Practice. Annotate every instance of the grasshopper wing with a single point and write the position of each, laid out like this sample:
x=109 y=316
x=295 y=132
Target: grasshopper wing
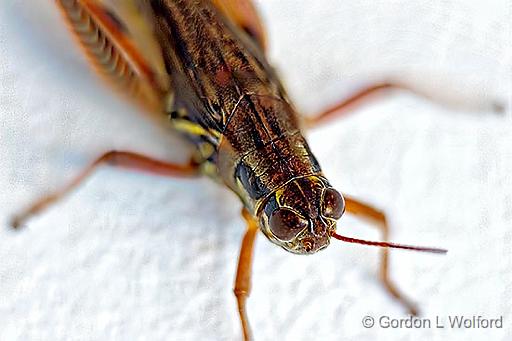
x=118 y=39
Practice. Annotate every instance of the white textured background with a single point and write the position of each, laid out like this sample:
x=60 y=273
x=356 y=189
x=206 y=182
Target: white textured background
x=139 y=257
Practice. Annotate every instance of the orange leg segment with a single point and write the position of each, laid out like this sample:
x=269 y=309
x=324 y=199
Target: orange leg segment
x=122 y=159
x=363 y=210
x=244 y=272
x=345 y=106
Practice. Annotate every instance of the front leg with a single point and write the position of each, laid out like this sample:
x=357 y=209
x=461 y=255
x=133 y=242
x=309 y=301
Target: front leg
x=366 y=211
x=128 y=160
x=244 y=272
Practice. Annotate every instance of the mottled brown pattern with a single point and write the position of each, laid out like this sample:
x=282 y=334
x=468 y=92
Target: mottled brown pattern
x=223 y=82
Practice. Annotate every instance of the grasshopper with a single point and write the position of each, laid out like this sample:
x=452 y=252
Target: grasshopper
x=202 y=65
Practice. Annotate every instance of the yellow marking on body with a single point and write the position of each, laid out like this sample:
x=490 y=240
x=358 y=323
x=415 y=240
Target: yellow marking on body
x=215 y=133
x=189 y=127
x=279 y=195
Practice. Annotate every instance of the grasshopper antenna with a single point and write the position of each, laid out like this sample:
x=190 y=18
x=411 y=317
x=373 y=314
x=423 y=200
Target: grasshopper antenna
x=386 y=244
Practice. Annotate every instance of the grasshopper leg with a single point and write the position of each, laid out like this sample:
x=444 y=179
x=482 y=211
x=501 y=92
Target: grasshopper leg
x=122 y=159
x=244 y=272
x=361 y=97
x=364 y=210
x=346 y=105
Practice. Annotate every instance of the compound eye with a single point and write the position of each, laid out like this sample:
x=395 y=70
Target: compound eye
x=333 y=204
x=285 y=224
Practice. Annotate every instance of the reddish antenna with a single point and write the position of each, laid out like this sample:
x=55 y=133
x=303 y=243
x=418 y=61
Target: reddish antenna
x=386 y=244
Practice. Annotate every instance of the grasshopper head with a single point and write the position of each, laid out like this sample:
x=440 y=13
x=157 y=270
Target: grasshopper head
x=301 y=215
